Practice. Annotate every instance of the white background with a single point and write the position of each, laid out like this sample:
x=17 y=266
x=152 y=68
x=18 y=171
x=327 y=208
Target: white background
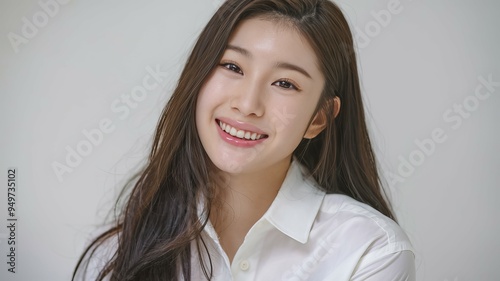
x=414 y=67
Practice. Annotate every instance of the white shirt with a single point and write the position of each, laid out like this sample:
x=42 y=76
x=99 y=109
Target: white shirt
x=309 y=235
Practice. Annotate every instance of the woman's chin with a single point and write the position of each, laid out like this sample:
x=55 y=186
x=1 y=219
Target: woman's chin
x=232 y=166
x=232 y=162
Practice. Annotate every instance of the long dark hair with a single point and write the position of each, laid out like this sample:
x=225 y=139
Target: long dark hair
x=160 y=221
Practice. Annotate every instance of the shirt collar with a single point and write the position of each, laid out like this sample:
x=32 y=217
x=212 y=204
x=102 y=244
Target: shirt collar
x=294 y=209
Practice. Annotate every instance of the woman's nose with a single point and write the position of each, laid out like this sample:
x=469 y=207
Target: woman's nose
x=248 y=99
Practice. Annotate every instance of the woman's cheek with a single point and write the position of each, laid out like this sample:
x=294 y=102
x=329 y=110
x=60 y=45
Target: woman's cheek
x=209 y=96
x=218 y=88
x=288 y=116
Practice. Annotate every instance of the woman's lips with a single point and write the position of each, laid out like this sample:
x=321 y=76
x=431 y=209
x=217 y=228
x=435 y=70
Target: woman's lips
x=239 y=137
x=240 y=132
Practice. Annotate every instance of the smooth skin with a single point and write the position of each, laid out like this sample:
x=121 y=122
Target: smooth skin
x=268 y=77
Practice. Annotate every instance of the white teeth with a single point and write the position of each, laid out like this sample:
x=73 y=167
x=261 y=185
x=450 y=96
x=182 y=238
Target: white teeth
x=239 y=133
x=233 y=132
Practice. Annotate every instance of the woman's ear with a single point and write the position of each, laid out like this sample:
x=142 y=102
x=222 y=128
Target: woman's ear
x=319 y=122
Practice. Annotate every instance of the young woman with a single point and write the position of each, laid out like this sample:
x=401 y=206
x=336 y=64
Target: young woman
x=261 y=166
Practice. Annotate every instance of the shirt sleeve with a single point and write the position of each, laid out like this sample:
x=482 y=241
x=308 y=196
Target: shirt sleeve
x=398 y=266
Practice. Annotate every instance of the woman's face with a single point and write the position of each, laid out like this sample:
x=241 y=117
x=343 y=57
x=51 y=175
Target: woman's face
x=255 y=107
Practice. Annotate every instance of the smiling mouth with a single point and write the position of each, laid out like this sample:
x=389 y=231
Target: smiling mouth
x=241 y=134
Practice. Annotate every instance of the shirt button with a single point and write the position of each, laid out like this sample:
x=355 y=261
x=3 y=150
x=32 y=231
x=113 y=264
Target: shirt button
x=244 y=265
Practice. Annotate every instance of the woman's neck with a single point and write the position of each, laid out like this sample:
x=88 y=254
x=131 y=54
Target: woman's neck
x=243 y=201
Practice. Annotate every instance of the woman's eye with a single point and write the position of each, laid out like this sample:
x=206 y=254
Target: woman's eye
x=286 y=84
x=233 y=67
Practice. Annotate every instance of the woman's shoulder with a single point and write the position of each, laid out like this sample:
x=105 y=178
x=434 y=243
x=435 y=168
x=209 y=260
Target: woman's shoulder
x=373 y=244
x=362 y=225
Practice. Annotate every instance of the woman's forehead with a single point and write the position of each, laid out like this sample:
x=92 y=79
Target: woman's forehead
x=274 y=40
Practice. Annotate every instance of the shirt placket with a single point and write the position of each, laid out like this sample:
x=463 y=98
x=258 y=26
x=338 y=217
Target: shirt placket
x=244 y=266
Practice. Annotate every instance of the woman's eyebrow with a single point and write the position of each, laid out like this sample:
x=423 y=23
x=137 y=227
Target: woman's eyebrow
x=282 y=65
x=289 y=66
x=240 y=50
